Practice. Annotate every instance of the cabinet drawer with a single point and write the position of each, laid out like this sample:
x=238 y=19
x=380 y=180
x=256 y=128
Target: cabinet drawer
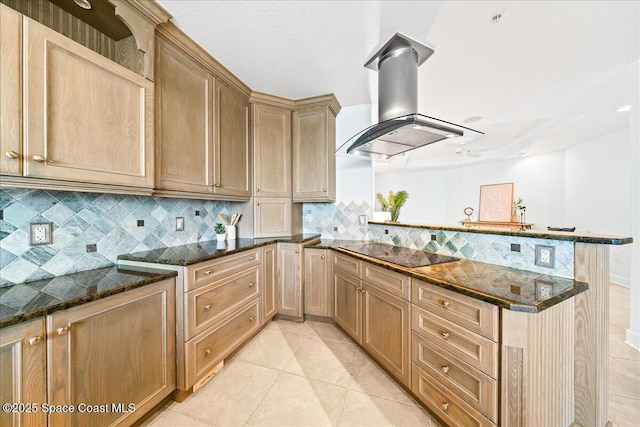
x=476 y=350
x=206 y=350
x=347 y=264
x=204 y=273
x=208 y=305
x=473 y=314
x=477 y=389
x=395 y=283
x=452 y=409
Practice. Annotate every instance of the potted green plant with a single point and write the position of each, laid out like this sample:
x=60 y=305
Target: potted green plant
x=220 y=232
x=393 y=203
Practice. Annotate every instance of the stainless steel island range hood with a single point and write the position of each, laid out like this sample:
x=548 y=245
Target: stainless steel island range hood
x=400 y=127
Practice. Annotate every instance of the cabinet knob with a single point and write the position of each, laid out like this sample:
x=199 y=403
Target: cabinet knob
x=217 y=185
x=297 y=251
x=321 y=256
x=35 y=340
x=257 y=189
x=207 y=307
x=257 y=203
x=444 y=303
x=208 y=272
x=362 y=291
x=444 y=335
x=207 y=351
x=252 y=284
x=445 y=369
x=11 y=154
x=324 y=189
x=63 y=330
x=38 y=158
x=445 y=406
x=251 y=319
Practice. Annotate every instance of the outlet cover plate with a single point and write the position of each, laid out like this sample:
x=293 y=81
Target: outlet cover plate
x=179 y=223
x=39 y=233
x=545 y=256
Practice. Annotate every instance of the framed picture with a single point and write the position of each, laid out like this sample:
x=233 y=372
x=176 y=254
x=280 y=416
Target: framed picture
x=496 y=202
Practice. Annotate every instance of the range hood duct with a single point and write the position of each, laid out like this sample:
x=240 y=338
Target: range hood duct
x=400 y=127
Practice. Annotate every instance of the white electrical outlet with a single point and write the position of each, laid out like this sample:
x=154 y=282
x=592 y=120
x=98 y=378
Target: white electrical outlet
x=39 y=233
x=179 y=223
x=545 y=256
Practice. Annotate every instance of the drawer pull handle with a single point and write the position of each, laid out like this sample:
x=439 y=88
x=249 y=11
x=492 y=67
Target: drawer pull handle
x=207 y=307
x=252 y=258
x=252 y=284
x=444 y=303
x=38 y=158
x=445 y=406
x=251 y=319
x=217 y=185
x=362 y=291
x=445 y=335
x=35 y=340
x=11 y=154
x=445 y=369
x=208 y=272
x=207 y=352
x=63 y=330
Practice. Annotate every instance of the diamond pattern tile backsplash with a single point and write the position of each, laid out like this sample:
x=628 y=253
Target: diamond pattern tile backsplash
x=79 y=219
x=340 y=221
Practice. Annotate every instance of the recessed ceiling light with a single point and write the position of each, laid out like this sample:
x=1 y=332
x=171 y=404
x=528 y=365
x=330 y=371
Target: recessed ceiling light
x=623 y=108
x=472 y=119
x=417 y=127
x=449 y=135
x=83 y=4
x=523 y=154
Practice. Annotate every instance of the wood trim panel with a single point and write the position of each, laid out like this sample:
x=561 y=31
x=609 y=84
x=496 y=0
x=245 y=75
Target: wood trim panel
x=537 y=367
x=397 y=284
x=592 y=335
x=269 y=274
x=475 y=315
x=474 y=349
x=11 y=90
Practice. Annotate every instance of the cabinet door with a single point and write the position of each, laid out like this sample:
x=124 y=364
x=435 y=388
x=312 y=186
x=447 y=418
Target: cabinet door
x=347 y=305
x=22 y=370
x=289 y=279
x=317 y=289
x=272 y=216
x=314 y=165
x=386 y=331
x=272 y=151
x=117 y=350
x=184 y=106
x=269 y=273
x=87 y=119
x=10 y=91
x=233 y=152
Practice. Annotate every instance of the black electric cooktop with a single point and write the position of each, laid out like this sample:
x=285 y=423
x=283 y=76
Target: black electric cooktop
x=398 y=255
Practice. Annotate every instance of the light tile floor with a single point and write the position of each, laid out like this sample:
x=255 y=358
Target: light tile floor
x=311 y=374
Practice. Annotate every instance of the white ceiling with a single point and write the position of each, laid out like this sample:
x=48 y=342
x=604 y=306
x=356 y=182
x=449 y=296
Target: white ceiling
x=547 y=76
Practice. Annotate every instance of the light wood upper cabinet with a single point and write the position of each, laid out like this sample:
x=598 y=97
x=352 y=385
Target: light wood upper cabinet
x=272 y=151
x=10 y=91
x=87 y=118
x=233 y=171
x=317 y=282
x=273 y=216
x=184 y=114
x=132 y=333
x=314 y=141
x=23 y=373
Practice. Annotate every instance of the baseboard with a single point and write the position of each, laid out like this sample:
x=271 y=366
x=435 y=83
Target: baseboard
x=633 y=339
x=620 y=280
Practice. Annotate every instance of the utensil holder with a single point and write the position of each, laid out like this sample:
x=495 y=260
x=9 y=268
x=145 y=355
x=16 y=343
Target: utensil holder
x=231 y=232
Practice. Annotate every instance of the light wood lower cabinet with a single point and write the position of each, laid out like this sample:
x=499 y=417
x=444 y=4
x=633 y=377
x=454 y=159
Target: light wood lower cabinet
x=317 y=282
x=290 y=279
x=347 y=304
x=118 y=351
x=386 y=330
x=23 y=374
x=270 y=280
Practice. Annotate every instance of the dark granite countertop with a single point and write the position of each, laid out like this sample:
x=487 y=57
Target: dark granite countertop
x=26 y=301
x=509 y=288
x=194 y=253
x=537 y=234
